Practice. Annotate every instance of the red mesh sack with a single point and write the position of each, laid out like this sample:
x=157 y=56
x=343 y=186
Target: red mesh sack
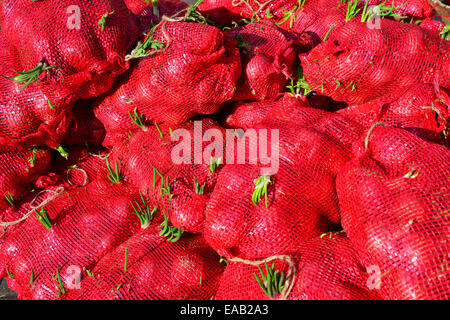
x=318 y=17
x=224 y=12
x=323 y=268
x=136 y=6
x=247 y=114
x=358 y=64
x=394 y=200
x=416 y=8
x=193 y=75
x=84 y=127
x=27 y=117
x=432 y=24
x=18 y=172
x=163 y=7
x=419 y=110
x=148 y=267
x=85 y=224
x=153 y=161
x=329 y=268
x=148 y=15
x=301 y=197
x=268 y=56
x=238 y=281
x=70 y=35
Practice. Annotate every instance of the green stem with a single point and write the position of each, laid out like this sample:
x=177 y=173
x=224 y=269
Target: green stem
x=9 y=198
x=199 y=190
x=60 y=283
x=32 y=75
x=63 y=152
x=261 y=185
x=328 y=32
x=113 y=175
x=102 y=21
x=272 y=283
x=44 y=218
x=214 y=164
x=145 y=215
x=170 y=232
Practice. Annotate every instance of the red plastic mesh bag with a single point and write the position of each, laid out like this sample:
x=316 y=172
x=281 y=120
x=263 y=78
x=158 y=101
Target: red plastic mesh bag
x=329 y=268
x=84 y=127
x=18 y=172
x=26 y=117
x=67 y=34
x=163 y=7
x=324 y=268
x=155 y=269
x=432 y=24
x=419 y=110
x=224 y=12
x=394 y=201
x=247 y=114
x=148 y=160
x=268 y=56
x=148 y=16
x=301 y=196
x=318 y=17
x=193 y=75
x=86 y=223
x=358 y=64
x=416 y=8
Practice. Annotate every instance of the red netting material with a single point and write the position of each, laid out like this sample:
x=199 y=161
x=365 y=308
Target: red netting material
x=148 y=17
x=391 y=199
x=358 y=64
x=320 y=16
x=329 y=268
x=156 y=270
x=145 y=151
x=268 y=56
x=247 y=114
x=84 y=127
x=87 y=223
x=317 y=17
x=67 y=34
x=194 y=75
x=394 y=202
x=416 y=8
x=18 y=171
x=164 y=7
x=224 y=12
x=26 y=118
x=419 y=110
x=301 y=197
x=326 y=268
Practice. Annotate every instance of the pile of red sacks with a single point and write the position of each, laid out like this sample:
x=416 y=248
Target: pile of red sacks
x=275 y=149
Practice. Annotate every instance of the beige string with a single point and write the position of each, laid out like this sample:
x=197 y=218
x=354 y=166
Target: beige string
x=290 y=275
x=261 y=6
x=432 y=107
x=101 y=156
x=164 y=19
x=58 y=192
x=80 y=169
x=366 y=140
